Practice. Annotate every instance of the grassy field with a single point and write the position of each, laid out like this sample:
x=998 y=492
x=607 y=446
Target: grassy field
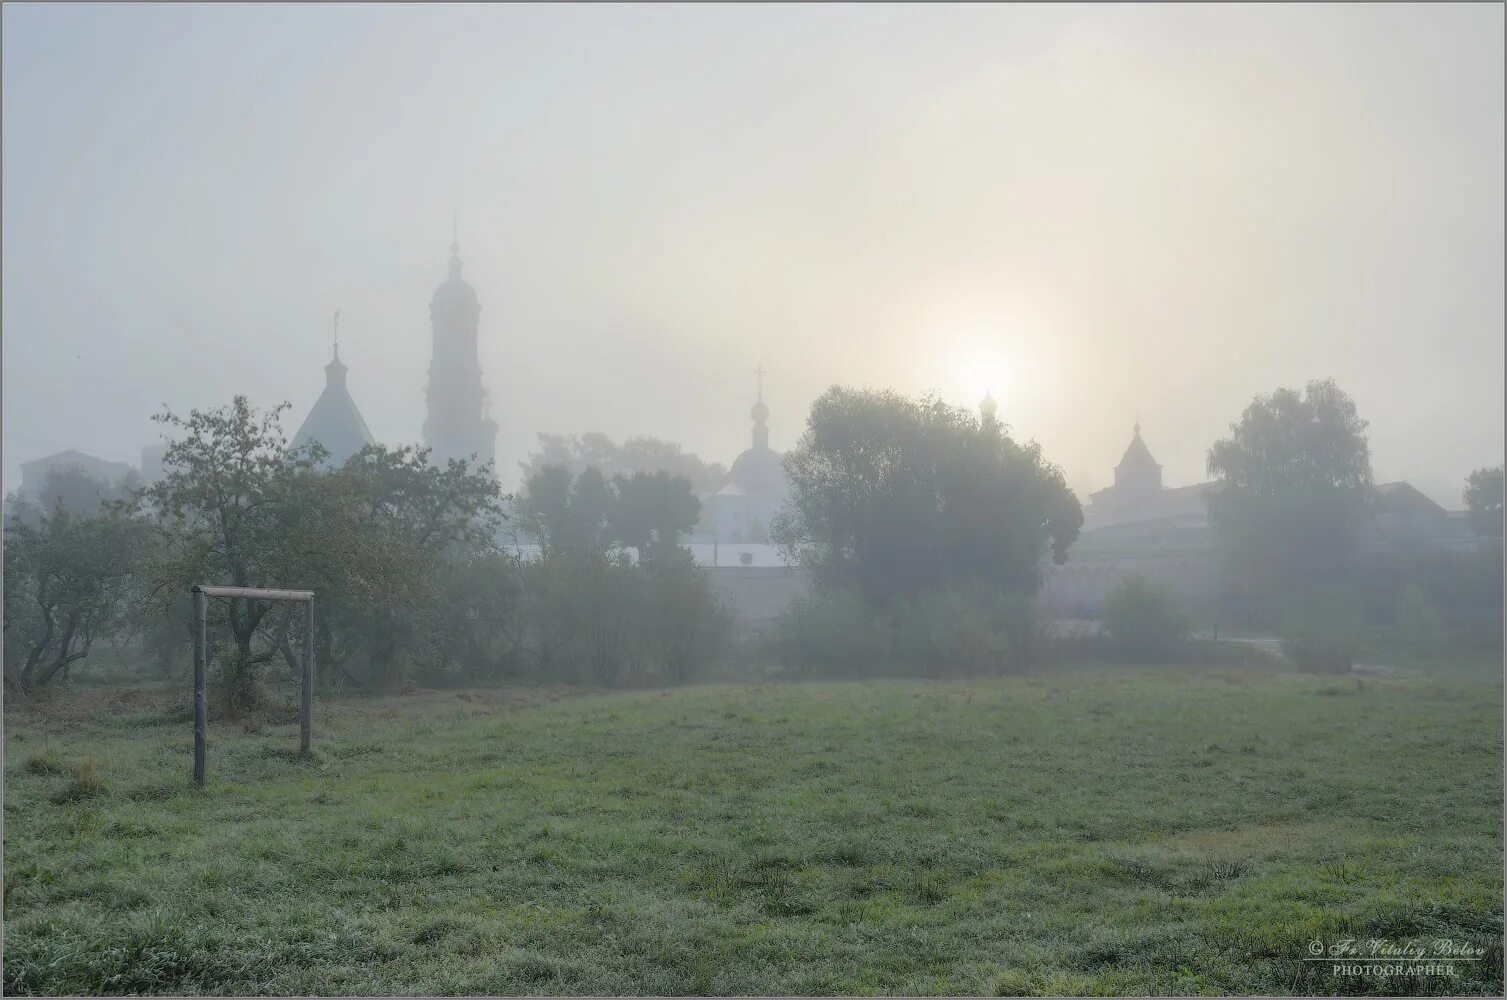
x=1090 y=831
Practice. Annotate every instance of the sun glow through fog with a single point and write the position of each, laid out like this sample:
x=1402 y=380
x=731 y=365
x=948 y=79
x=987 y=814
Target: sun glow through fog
x=978 y=363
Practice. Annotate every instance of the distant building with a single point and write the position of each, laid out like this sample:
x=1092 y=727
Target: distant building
x=34 y=473
x=754 y=581
x=458 y=424
x=1406 y=518
x=756 y=489
x=1138 y=495
x=1136 y=526
x=334 y=421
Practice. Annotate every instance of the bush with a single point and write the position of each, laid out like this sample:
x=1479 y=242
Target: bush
x=582 y=613
x=1325 y=639
x=687 y=628
x=1417 y=627
x=973 y=629
x=1404 y=592
x=1143 y=619
x=970 y=630
x=833 y=631
x=590 y=618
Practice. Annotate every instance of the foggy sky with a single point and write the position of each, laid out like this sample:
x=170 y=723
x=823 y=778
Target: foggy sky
x=1096 y=213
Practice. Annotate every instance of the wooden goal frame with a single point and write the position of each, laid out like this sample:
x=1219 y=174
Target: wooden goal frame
x=202 y=593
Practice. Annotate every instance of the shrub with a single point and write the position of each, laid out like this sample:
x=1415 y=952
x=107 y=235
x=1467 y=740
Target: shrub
x=1325 y=639
x=685 y=625
x=588 y=617
x=833 y=631
x=1463 y=590
x=1143 y=619
x=583 y=618
x=1417 y=626
x=971 y=630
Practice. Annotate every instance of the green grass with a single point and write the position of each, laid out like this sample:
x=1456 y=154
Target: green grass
x=1094 y=831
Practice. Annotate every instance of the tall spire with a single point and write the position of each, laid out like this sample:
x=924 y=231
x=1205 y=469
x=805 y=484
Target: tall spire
x=334 y=372
x=454 y=244
x=760 y=413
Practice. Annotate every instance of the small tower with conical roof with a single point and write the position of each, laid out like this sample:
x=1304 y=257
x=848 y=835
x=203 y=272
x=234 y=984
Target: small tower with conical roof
x=334 y=421
x=1137 y=469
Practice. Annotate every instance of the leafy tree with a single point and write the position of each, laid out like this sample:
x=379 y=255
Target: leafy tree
x=231 y=498
x=565 y=512
x=637 y=454
x=544 y=504
x=410 y=519
x=652 y=511
x=1292 y=494
x=1483 y=495
x=898 y=497
x=371 y=539
x=648 y=511
x=686 y=625
x=589 y=613
x=481 y=630
x=593 y=504
x=68 y=581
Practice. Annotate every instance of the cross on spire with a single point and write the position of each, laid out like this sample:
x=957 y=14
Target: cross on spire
x=759 y=372
x=337 y=333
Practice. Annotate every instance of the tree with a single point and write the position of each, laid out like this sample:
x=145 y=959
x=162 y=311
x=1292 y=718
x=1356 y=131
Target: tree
x=587 y=514
x=544 y=504
x=1483 y=495
x=898 y=497
x=652 y=511
x=1292 y=494
x=409 y=521
x=637 y=454
x=565 y=512
x=232 y=497
x=68 y=580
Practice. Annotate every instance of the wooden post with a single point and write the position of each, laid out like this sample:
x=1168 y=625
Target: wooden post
x=201 y=697
x=306 y=714
x=202 y=593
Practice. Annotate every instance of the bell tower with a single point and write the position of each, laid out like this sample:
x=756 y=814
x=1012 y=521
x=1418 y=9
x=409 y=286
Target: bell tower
x=458 y=424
